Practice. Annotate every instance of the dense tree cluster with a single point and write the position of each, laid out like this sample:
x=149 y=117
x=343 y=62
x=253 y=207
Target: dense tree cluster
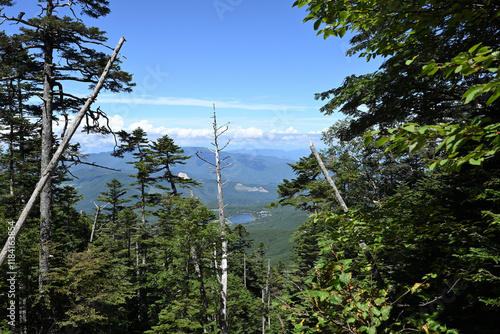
x=416 y=162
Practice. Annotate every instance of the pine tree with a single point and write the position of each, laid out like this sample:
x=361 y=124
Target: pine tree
x=137 y=143
x=185 y=280
x=166 y=154
x=65 y=50
x=114 y=197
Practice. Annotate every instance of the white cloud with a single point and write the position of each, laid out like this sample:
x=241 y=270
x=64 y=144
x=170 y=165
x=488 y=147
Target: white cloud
x=179 y=101
x=288 y=130
x=240 y=136
x=248 y=133
x=116 y=122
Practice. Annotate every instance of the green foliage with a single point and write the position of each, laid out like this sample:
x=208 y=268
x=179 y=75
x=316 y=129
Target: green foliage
x=334 y=302
x=92 y=283
x=244 y=309
x=475 y=60
x=384 y=27
x=418 y=241
x=474 y=143
x=114 y=198
x=165 y=155
x=183 y=250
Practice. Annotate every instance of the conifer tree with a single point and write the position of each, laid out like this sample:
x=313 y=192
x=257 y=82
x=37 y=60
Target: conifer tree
x=66 y=52
x=167 y=154
x=185 y=236
x=137 y=143
x=114 y=197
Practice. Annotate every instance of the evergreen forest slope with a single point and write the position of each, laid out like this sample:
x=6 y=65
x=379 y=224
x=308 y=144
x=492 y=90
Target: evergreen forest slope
x=252 y=180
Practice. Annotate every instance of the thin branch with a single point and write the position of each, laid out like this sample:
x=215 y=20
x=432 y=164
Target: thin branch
x=223 y=147
x=93 y=164
x=203 y=159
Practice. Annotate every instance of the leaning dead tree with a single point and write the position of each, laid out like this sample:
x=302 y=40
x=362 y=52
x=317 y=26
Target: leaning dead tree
x=218 y=166
x=362 y=245
x=47 y=172
x=327 y=177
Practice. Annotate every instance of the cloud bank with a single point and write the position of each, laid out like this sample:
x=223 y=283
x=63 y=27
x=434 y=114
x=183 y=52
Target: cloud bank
x=239 y=137
x=192 y=102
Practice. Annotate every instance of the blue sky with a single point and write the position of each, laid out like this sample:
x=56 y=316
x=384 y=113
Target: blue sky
x=254 y=59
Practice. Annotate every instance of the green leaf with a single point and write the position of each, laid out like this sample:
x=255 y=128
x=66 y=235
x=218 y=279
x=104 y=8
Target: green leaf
x=317 y=24
x=484 y=50
x=335 y=299
x=382 y=141
x=342 y=31
x=368 y=140
x=344 y=278
x=410 y=127
x=433 y=165
x=409 y=61
x=472 y=93
x=476 y=162
x=472 y=49
x=343 y=15
x=493 y=97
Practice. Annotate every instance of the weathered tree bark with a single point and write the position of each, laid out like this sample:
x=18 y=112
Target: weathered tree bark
x=222 y=221
x=199 y=276
x=263 y=311
x=327 y=176
x=217 y=166
x=268 y=292
x=47 y=172
x=46 y=155
x=98 y=209
x=245 y=269
x=266 y=299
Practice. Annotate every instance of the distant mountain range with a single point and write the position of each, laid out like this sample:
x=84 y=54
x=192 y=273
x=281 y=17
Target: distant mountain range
x=252 y=177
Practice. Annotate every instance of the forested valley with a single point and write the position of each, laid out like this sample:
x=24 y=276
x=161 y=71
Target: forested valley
x=403 y=227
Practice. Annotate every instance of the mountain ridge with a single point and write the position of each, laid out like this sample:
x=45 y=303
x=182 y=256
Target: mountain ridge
x=251 y=177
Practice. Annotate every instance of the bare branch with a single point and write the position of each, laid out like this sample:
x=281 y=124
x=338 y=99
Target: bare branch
x=228 y=165
x=87 y=80
x=203 y=159
x=223 y=147
x=92 y=164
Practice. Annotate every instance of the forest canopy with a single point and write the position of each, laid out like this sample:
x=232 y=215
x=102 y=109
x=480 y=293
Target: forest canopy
x=414 y=247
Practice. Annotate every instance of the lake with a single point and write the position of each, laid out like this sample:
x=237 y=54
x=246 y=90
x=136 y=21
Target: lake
x=240 y=219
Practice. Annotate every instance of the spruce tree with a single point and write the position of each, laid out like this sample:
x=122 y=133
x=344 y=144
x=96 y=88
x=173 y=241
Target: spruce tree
x=114 y=197
x=137 y=142
x=167 y=154
x=65 y=49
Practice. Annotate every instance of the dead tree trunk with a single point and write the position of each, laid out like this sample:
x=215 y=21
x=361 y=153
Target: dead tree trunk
x=98 y=209
x=218 y=167
x=368 y=254
x=266 y=301
x=328 y=178
x=245 y=269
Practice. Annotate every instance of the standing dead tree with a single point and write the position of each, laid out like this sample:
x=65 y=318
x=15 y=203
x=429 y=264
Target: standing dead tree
x=218 y=166
x=47 y=172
